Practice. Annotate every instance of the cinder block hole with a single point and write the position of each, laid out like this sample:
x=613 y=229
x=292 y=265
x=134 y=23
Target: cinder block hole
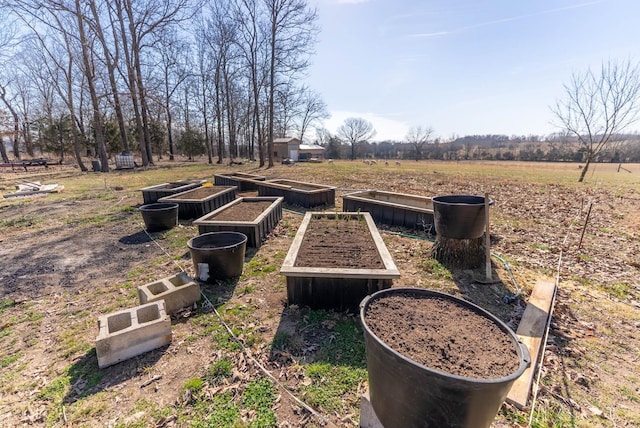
x=157 y=288
x=148 y=313
x=180 y=280
x=119 y=322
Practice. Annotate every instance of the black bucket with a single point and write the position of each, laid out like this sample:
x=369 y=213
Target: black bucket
x=159 y=216
x=459 y=216
x=218 y=255
x=406 y=394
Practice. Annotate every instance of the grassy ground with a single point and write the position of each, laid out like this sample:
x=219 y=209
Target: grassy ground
x=211 y=374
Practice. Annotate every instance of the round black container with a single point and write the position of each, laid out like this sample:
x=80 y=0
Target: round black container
x=218 y=255
x=405 y=394
x=159 y=216
x=459 y=216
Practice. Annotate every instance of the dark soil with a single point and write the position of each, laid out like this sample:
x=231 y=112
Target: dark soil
x=338 y=243
x=243 y=211
x=443 y=335
x=201 y=192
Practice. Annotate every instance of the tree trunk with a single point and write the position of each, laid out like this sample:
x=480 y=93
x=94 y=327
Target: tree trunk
x=218 y=108
x=28 y=142
x=170 y=132
x=71 y=105
x=131 y=83
x=206 y=124
x=231 y=121
x=144 y=108
x=584 y=169
x=112 y=77
x=88 y=72
x=16 y=122
x=272 y=83
x=3 y=151
x=256 y=113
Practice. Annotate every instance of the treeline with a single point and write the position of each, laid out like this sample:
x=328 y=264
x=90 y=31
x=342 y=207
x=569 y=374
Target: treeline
x=157 y=77
x=552 y=148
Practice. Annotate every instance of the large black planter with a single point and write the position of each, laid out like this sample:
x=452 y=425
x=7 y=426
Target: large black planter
x=459 y=216
x=159 y=216
x=218 y=255
x=405 y=394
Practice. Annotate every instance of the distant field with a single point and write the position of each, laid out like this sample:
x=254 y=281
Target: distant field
x=536 y=171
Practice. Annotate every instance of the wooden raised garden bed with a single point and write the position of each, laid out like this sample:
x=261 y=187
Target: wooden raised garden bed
x=151 y=194
x=197 y=202
x=335 y=260
x=254 y=216
x=241 y=180
x=394 y=209
x=306 y=195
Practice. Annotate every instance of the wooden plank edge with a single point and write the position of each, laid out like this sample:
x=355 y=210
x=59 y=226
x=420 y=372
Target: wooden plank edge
x=531 y=332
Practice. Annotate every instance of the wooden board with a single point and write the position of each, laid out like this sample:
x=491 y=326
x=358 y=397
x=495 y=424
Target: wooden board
x=531 y=331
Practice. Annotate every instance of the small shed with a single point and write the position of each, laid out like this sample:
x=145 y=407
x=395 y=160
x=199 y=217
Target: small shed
x=292 y=148
x=287 y=147
x=309 y=152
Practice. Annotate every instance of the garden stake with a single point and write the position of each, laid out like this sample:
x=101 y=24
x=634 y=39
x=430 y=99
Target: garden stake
x=487 y=240
x=586 y=221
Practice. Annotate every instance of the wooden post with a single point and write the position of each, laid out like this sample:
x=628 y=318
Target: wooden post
x=585 y=226
x=487 y=240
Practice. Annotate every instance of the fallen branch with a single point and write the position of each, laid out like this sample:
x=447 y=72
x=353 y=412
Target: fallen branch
x=150 y=381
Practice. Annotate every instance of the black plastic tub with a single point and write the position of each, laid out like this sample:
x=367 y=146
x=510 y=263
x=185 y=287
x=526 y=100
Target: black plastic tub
x=407 y=394
x=159 y=216
x=459 y=216
x=218 y=255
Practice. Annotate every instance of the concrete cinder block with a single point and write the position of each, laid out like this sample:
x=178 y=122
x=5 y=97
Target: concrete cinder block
x=177 y=291
x=131 y=332
x=368 y=417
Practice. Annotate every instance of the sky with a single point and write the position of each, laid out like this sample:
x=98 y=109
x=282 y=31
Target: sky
x=462 y=67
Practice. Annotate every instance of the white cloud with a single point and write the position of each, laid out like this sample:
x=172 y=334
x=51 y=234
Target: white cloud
x=387 y=128
x=505 y=20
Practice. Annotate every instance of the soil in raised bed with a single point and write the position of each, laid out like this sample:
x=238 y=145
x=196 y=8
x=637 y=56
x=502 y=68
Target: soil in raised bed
x=299 y=186
x=443 y=335
x=243 y=211
x=201 y=192
x=338 y=243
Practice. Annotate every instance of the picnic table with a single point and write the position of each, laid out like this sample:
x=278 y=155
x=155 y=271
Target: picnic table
x=24 y=163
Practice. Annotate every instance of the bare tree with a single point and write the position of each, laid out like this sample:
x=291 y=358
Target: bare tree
x=418 y=137
x=356 y=130
x=3 y=149
x=16 y=120
x=205 y=67
x=598 y=107
x=251 y=40
x=313 y=109
x=292 y=35
x=7 y=33
x=322 y=136
x=57 y=60
x=110 y=60
x=89 y=72
x=288 y=102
